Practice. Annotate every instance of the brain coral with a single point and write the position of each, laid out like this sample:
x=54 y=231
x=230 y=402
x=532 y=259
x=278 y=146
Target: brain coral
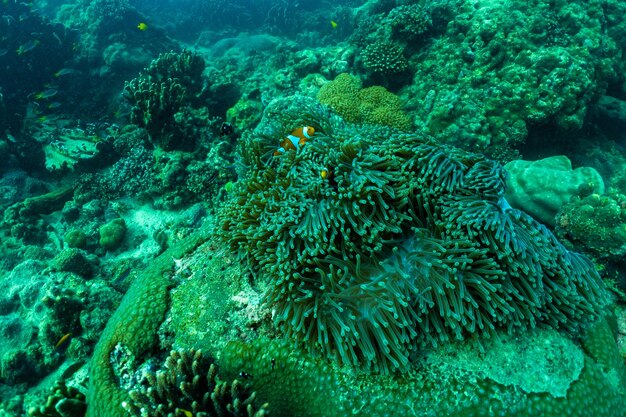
x=376 y=244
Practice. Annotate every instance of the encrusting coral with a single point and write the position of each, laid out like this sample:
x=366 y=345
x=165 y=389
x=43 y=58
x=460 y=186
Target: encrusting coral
x=133 y=327
x=376 y=243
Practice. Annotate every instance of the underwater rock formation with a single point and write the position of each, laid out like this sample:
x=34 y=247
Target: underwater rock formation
x=541 y=188
x=382 y=193
x=499 y=68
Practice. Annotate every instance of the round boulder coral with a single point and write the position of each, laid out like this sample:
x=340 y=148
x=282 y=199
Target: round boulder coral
x=112 y=233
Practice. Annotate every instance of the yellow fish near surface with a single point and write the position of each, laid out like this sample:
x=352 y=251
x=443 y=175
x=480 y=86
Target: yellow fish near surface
x=333 y=24
x=142 y=26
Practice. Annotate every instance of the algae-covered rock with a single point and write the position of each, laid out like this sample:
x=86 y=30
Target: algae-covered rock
x=73 y=260
x=597 y=224
x=76 y=238
x=245 y=114
x=112 y=234
x=542 y=187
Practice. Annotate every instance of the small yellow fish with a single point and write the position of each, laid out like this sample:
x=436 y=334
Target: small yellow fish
x=63 y=341
x=142 y=26
x=187 y=413
x=333 y=24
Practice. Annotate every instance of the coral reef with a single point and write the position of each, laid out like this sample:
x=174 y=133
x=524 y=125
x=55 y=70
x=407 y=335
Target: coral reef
x=541 y=188
x=500 y=68
x=372 y=105
x=595 y=223
x=169 y=99
x=188 y=384
x=409 y=22
x=282 y=374
x=403 y=244
x=64 y=401
x=454 y=380
x=133 y=327
x=384 y=57
x=112 y=234
x=23 y=220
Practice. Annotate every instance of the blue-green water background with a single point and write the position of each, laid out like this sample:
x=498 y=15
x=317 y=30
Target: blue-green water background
x=514 y=80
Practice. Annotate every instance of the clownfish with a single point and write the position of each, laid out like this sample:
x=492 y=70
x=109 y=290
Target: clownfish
x=297 y=138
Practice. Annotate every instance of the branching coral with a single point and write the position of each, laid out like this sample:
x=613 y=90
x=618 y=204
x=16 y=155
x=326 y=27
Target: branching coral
x=168 y=99
x=402 y=244
x=63 y=401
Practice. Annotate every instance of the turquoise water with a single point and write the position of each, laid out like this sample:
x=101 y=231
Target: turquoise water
x=312 y=208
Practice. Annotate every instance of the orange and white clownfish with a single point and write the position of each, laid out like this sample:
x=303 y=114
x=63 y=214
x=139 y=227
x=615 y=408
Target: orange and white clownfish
x=297 y=138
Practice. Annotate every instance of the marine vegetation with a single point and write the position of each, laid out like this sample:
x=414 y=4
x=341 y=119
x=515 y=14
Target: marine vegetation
x=188 y=384
x=373 y=244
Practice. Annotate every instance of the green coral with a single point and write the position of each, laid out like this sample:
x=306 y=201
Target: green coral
x=189 y=381
x=498 y=69
x=471 y=378
x=404 y=245
x=283 y=374
x=596 y=223
x=372 y=105
x=76 y=238
x=541 y=188
x=133 y=326
x=64 y=401
x=384 y=57
x=112 y=234
x=168 y=99
x=245 y=114
x=409 y=22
